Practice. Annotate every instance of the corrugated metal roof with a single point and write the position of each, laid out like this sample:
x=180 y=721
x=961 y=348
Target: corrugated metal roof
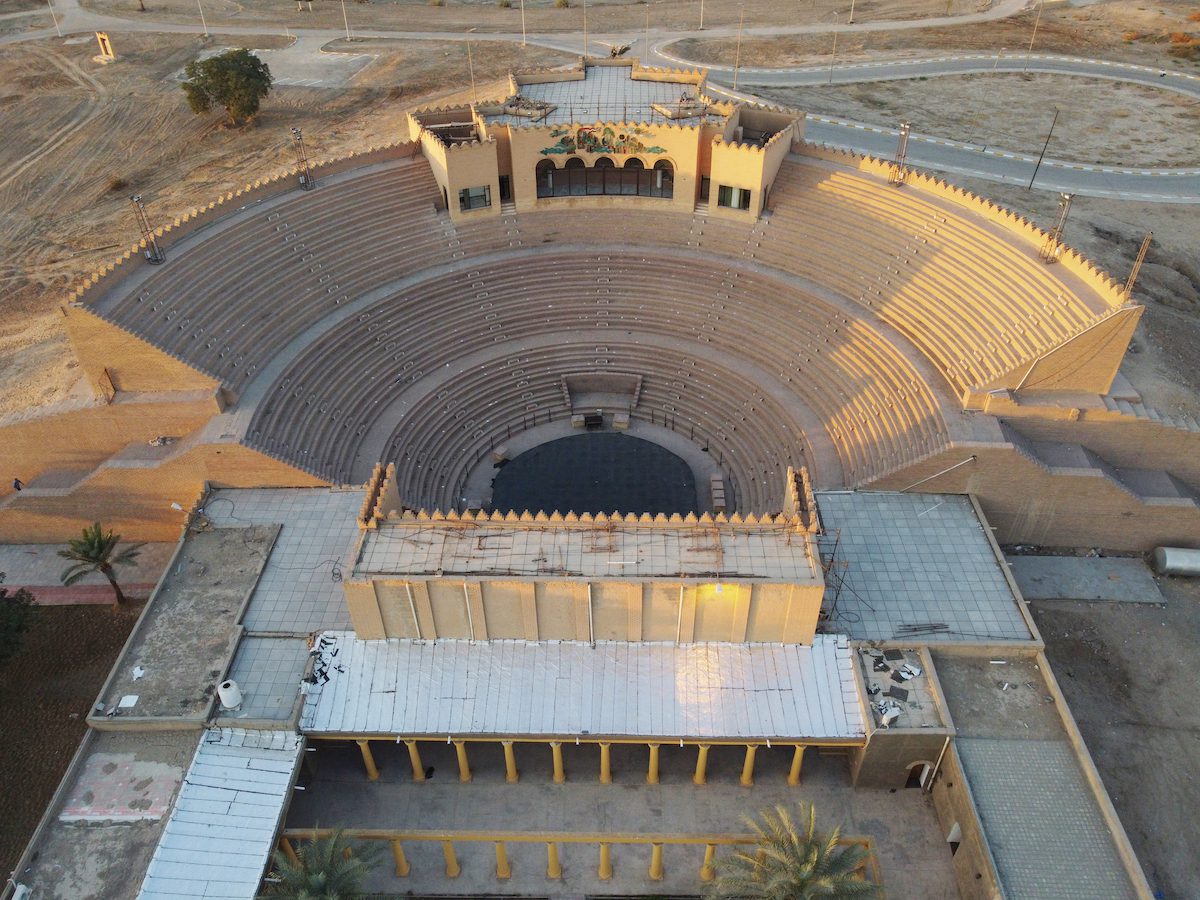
x=222 y=829
x=564 y=689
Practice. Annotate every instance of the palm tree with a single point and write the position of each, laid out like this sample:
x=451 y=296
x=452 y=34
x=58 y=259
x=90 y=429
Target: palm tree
x=790 y=864
x=325 y=869
x=96 y=551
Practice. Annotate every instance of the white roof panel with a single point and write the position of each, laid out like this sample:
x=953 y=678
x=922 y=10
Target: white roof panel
x=221 y=831
x=564 y=689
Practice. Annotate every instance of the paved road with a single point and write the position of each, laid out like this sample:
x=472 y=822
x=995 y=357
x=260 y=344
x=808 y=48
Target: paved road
x=1156 y=184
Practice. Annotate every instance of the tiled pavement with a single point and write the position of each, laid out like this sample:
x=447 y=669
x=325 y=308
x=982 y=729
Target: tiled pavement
x=268 y=671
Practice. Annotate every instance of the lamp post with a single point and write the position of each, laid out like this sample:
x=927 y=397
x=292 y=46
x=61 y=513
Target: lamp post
x=346 y=21
x=522 y=23
x=998 y=55
x=203 y=24
x=833 y=56
x=54 y=18
x=1033 y=37
x=737 y=55
x=701 y=15
x=1044 y=146
x=850 y=21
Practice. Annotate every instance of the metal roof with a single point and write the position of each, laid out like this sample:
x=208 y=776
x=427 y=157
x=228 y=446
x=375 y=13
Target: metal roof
x=221 y=831
x=564 y=689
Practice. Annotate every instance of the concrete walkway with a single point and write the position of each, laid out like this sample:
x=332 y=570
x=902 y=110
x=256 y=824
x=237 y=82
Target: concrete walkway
x=38 y=567
x=1084 y=578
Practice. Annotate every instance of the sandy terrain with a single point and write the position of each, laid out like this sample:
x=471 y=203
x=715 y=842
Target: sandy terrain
x=92 y=135
x=540 y=15
x=1099 y=121
x=1128 y=671
x=1115 y=30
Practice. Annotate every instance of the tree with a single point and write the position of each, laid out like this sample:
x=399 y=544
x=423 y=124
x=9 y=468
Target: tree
x=235 y=80
x=96 y=551
x=16 y=611
x=790 y=864
x=326 y=869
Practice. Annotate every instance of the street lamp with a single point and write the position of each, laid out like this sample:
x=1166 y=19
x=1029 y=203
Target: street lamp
x=1033 y=38
x=998 y=55
x=833 y=56
x=850 y=21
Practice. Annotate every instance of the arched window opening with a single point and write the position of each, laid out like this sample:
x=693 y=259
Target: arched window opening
x=605 y=177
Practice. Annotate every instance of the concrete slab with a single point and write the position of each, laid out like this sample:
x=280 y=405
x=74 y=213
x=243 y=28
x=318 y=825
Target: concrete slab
x=1084 y=578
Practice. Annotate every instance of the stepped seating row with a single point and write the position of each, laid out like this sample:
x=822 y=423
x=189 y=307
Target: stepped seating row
x=877 y=410
x=350 y=346
x=230 y=303
x=978 y=305
x=434 y=460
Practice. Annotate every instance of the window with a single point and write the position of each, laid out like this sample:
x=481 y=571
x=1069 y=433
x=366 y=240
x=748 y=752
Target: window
x=475 y=198
x=734 y=198
x=605 y=177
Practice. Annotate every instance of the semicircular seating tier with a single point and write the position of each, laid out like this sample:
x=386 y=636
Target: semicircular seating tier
x=358 y=318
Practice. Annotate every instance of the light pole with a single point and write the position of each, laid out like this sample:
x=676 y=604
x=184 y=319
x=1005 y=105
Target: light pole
x=1044 y=146
x=737 y=55
x=701 y=15
x=346 y=21
x=202 y=22
x=998 y=55
x=522 y=23
x=833 y=56
x=1036 y=22
x=54 y=18
x=850 y=21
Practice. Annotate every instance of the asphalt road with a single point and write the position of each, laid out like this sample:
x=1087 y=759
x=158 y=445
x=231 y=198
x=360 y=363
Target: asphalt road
x=1180 y=185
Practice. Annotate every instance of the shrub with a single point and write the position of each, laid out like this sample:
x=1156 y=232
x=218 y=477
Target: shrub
x=117 y=183
x=504 y=4
x=1180 y=37
x=16 y=614
x=562 y=4
x=1194 y=17
x=1130 y=36
x=436 y=2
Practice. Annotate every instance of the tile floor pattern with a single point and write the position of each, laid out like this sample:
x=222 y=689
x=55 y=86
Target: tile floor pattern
x=268 y=671
x=1042 y=823
x=300 y=590
x=916 y=566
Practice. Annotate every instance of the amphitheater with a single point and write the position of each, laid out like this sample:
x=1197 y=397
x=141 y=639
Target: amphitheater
x=881 y=336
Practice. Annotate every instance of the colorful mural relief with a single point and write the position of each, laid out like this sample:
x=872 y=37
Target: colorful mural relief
x=600 y=139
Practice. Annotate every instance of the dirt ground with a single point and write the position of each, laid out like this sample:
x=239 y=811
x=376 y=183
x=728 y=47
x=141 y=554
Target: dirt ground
x=540 y=15
x=91 y=135
x=1128 y=671
x=1103 y=122
x=49 y=686
x=1114 y=30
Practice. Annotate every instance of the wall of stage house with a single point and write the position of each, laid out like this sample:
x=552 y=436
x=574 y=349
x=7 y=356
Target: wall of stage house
x=462 y=166
x=493 y=609
x=680 y=145
x=1028 y=503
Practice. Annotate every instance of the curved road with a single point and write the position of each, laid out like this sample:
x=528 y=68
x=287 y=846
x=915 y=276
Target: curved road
x=1172 y=185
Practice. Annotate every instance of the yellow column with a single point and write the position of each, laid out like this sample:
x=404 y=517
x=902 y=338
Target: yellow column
x=464 y=767
x=797 y=761
x=368 y=759
x=748 y=766
x=452 y=868
x=402 y=866
x=708 y=870
x=560 y=774
x=553 y=866
x=511 y=775
x=289 y=851
x=701 y=766
x=605 y=762
x=503 y=870
x=414 y=756
x=656 y=867
x=652 y=772
x=605 y=871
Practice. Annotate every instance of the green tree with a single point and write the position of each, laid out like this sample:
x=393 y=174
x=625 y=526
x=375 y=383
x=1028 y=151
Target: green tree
x=235 y=80
x=16 y=612
x=788 y=863
x=326 y=869
x=96 y=551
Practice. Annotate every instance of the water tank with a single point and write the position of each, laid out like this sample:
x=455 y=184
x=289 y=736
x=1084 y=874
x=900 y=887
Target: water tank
x=1176 y=561
x=230 y=694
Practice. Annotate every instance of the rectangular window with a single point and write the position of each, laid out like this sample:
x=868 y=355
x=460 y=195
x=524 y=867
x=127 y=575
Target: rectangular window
x=734 y=198
x=475 y=198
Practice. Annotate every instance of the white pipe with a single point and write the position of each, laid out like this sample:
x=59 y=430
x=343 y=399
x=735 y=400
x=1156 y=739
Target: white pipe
x=470 y=619
x=679 y=621
x=413 y=608
x=970 y=458
x=1176 y=561
x=591 y=623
